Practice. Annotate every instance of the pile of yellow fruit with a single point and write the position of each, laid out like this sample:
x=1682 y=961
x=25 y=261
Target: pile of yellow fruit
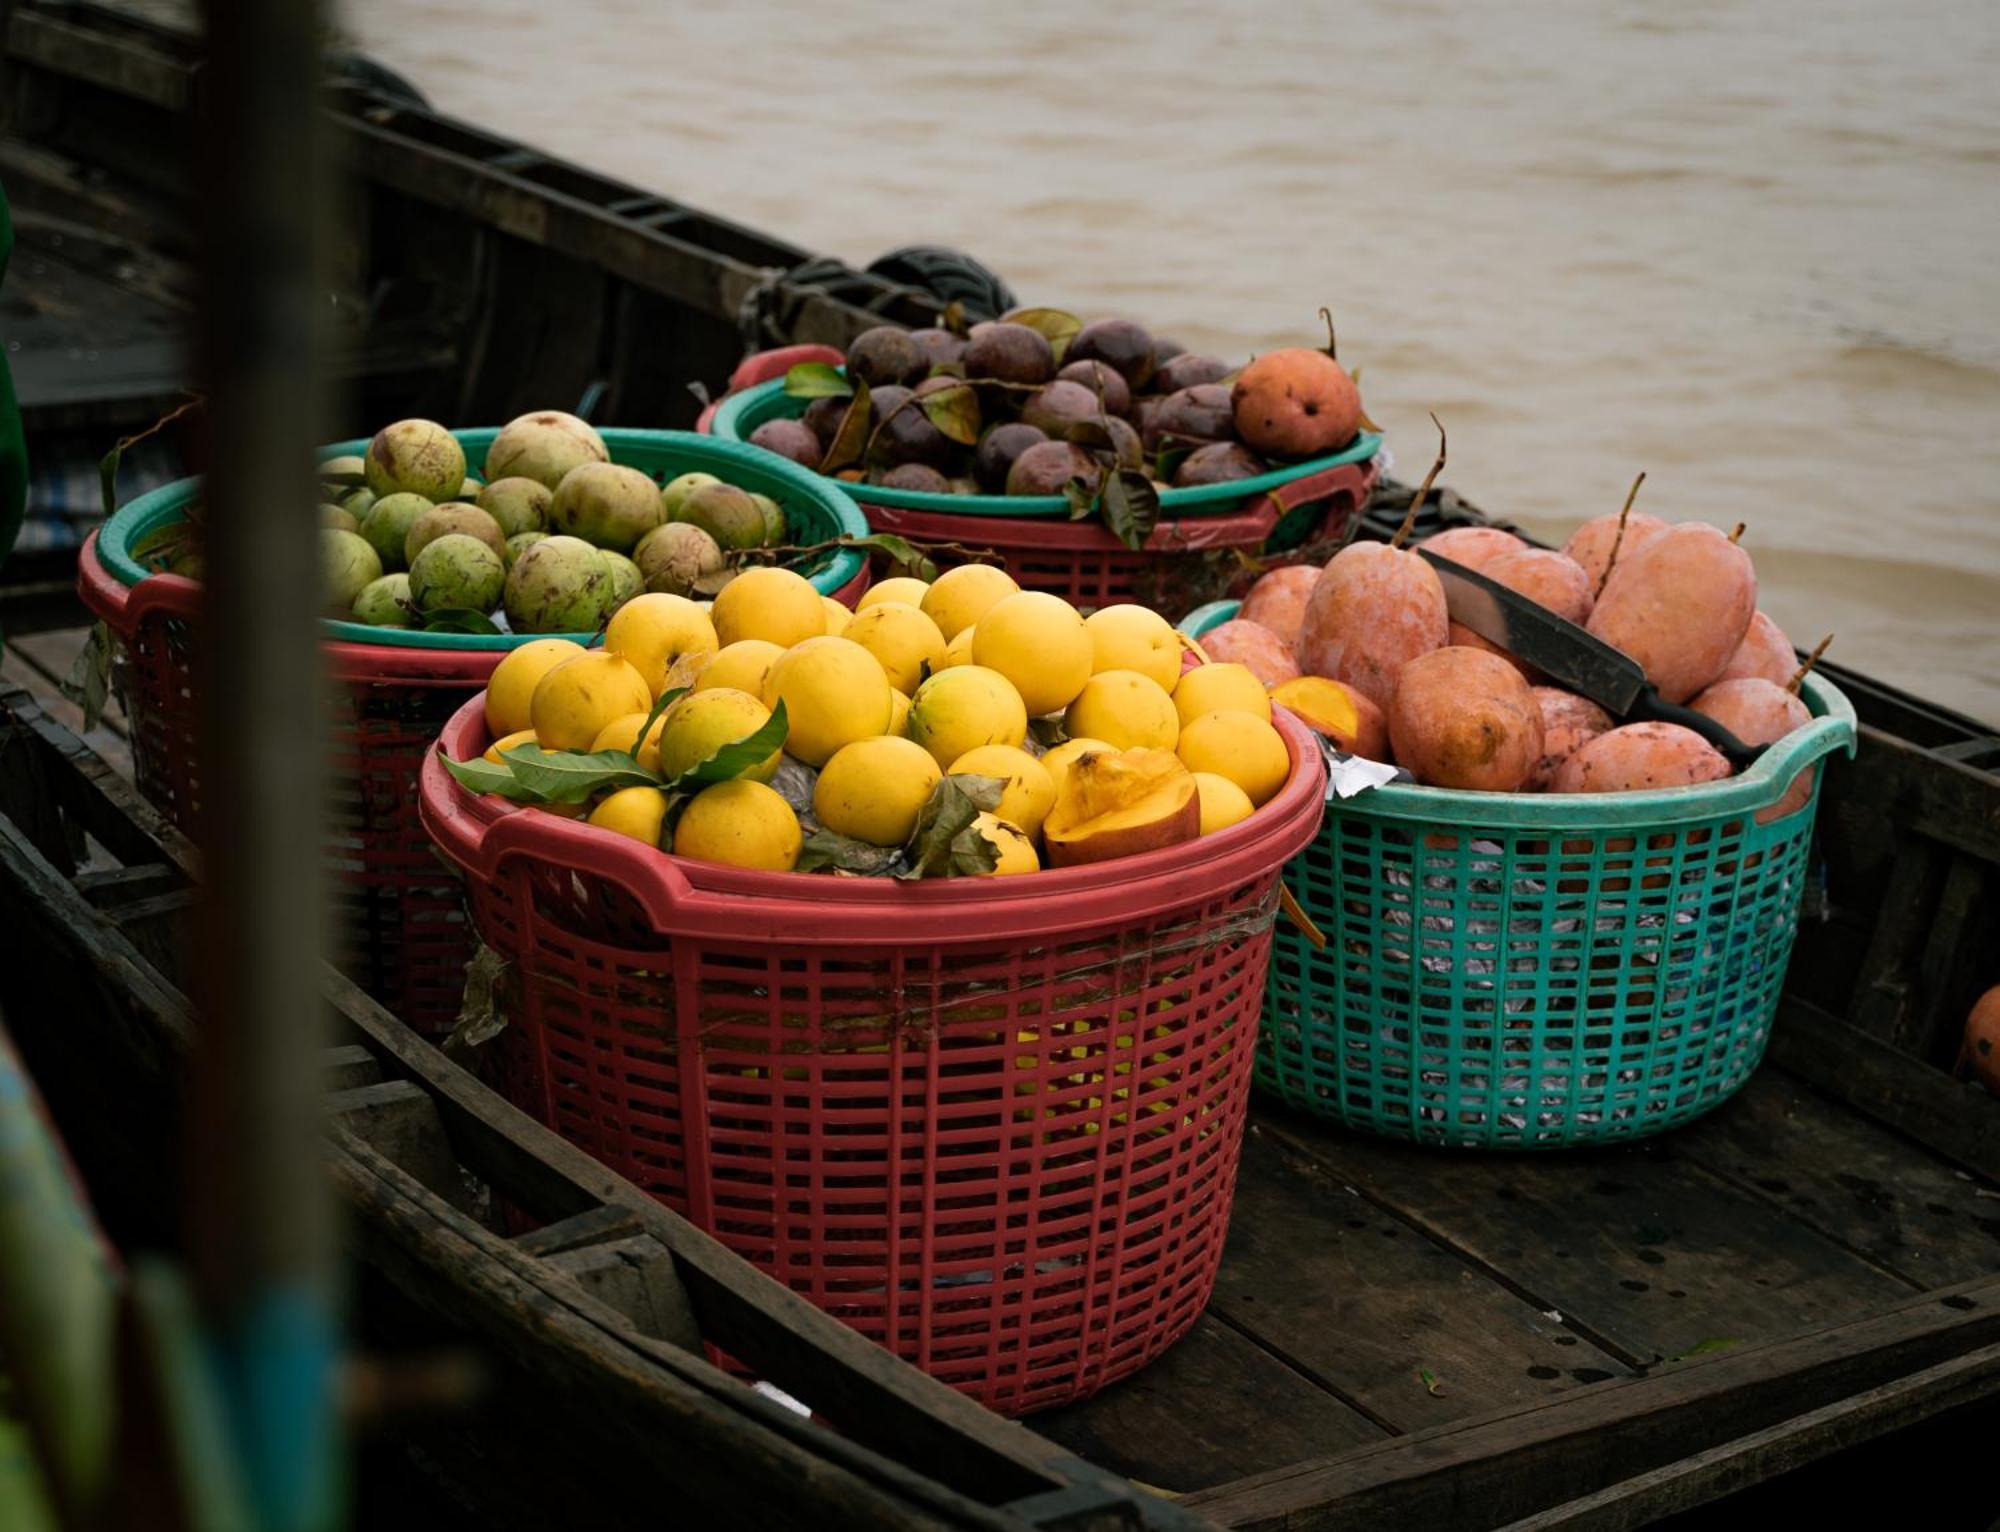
x=884 y=708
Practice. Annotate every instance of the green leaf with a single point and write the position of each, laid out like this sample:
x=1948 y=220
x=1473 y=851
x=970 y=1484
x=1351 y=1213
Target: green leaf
x=107 y=479
x=955 y=319
x=824 y=851
x=817 y=380
x=1430 y=1381
x=1081 y=497
x=905 y=557
x=1131 y=506
x=458 y=619
x=482 y=776
x=658 y=711
x=1056 y=326
x=935 y=848
x=570 y=776
x=159 y=548
x=955 y=413
x=1703 y=1348
x=850 y=438
x=738 y=756
x=1167 y=460
x=1047 y=732
x=88 y=683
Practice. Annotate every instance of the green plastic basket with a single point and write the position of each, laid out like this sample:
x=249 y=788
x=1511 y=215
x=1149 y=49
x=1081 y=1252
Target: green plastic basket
x=817 y=509
x=1537 y=971
x=741 y=413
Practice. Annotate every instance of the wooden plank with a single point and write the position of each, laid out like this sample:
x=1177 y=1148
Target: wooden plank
x=1779 y=1449
x=106 y=805
x=1955 y=1118
x=636 y=1277
x=1473 y=1474
x=1358 y=1300
x=401 y=1124
x=1642 y=1254
x=1861 y=1185
x=1213 y=1408
x=159 y=927
x=108 y=888
x=347 y=1066
x=591 y=1228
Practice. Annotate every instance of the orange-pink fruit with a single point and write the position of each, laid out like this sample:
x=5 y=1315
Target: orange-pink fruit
x=1373 y=610
x=1545 y=577
x=1759 y=712
x=1465 y=718
x=1296 y=403
x=1640 y=757
x=1254 y=646
x=1679 y=606
x=1473 y=547
x=1591 y=544
x=1765 y=651
x=1278 y=599
x=1568 y=723
x=1982 y=1039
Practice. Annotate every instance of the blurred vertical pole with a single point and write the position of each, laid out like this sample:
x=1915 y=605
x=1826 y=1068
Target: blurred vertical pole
x=260 y=1224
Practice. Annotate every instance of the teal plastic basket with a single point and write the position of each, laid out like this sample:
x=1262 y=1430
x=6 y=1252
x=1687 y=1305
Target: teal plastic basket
x=817 y=510
x=1540 y=971
x=741 y=413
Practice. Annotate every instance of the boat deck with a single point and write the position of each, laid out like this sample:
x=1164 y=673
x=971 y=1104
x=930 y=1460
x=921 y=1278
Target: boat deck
x=1372 y=1293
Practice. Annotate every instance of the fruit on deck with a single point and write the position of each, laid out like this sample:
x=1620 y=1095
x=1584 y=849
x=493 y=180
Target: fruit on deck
x=1014 y=847
x=1029 y=792
x=1373 y=610
x=1121 y=802
x=740 y=824
x=1765 y=651
x=1760 y=712
x=1120 y=344
x=959 y=597
x=1464 y=718
x=674 y=493
x=387 y=527
x=521 y=542
x=730 y=515
x=902 y=588
x=454 y=573
x=418 y=457
x=1568 y=723
x=1278 y=600
x=745 y=665
x=350 y=565
x=1008 y=353
x=543 y=445
x=1640 y=757
x=558 y=585
x=385 y=602
x=1223 y=803
x=514 y=679
x=873 y=789
x=834 y=692
x=1547 y=578
x=610 y=505
x=1591 y=544
x=1982 y=1039
x=1218 y=463
x=959 y=650
x=1473 y=547
x=1132 y=637
x=623 y=734
x=1207 y=688
x=1058 y=761
x=792 y=439
x=965 y=707
x=884 y=355
x=1335 y=709
x=640 y=812
x=517 y=504
x=573 y=702
x=1040 y=644
x=1047 y=466
x=769 y=603
x=654 y=632
x=837 y=616
x=453 y=516
x=1296 y=403
x=994 y=458
x=1238 y=745
x=626 y=580
x=498 y=749
x=1255 y=647
x=899 y=635
x=701 y=723
x=1679 y=606
x=1125 y=709
x=674 y=556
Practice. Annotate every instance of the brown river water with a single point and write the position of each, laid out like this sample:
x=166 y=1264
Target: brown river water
x=1750 y=246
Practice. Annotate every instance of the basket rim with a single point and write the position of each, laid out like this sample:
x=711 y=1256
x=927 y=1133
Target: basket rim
x=479 y=831
x=1758 y=786
x=160 y=506
x=1200 y=500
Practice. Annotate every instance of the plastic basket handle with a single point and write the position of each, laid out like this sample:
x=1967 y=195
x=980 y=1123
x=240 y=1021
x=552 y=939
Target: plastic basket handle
x=125 y=607
x=762 y=367
x=1259 y=516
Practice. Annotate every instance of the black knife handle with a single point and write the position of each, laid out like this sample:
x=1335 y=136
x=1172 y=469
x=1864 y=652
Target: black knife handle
x=1649 y=706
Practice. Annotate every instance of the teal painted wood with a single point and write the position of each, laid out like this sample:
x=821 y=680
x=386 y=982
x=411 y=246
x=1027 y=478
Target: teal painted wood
x=1533 y=971
x=817 y=510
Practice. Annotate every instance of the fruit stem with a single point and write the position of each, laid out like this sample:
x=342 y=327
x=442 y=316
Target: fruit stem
x=1332 y=342
x=1741 y=528
x=868 y=449
x=1799 y=677
x=1423 y=489
x=1618 y=542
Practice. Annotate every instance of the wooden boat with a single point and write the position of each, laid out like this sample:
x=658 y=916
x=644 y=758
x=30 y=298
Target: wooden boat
x=1588 y=1340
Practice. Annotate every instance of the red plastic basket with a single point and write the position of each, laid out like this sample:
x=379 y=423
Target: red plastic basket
x=993 y=1124
x=1082 y=561
x=401 y=925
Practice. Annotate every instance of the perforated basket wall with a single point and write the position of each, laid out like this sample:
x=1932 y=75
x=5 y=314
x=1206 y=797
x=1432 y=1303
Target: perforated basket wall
x=993 y=1127
x=1539 y=971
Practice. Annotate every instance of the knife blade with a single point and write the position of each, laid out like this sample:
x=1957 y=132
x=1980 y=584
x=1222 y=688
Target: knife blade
x=1569 y=656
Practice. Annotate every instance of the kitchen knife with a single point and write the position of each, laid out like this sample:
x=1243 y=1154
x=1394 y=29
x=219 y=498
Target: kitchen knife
x=1571 y=658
